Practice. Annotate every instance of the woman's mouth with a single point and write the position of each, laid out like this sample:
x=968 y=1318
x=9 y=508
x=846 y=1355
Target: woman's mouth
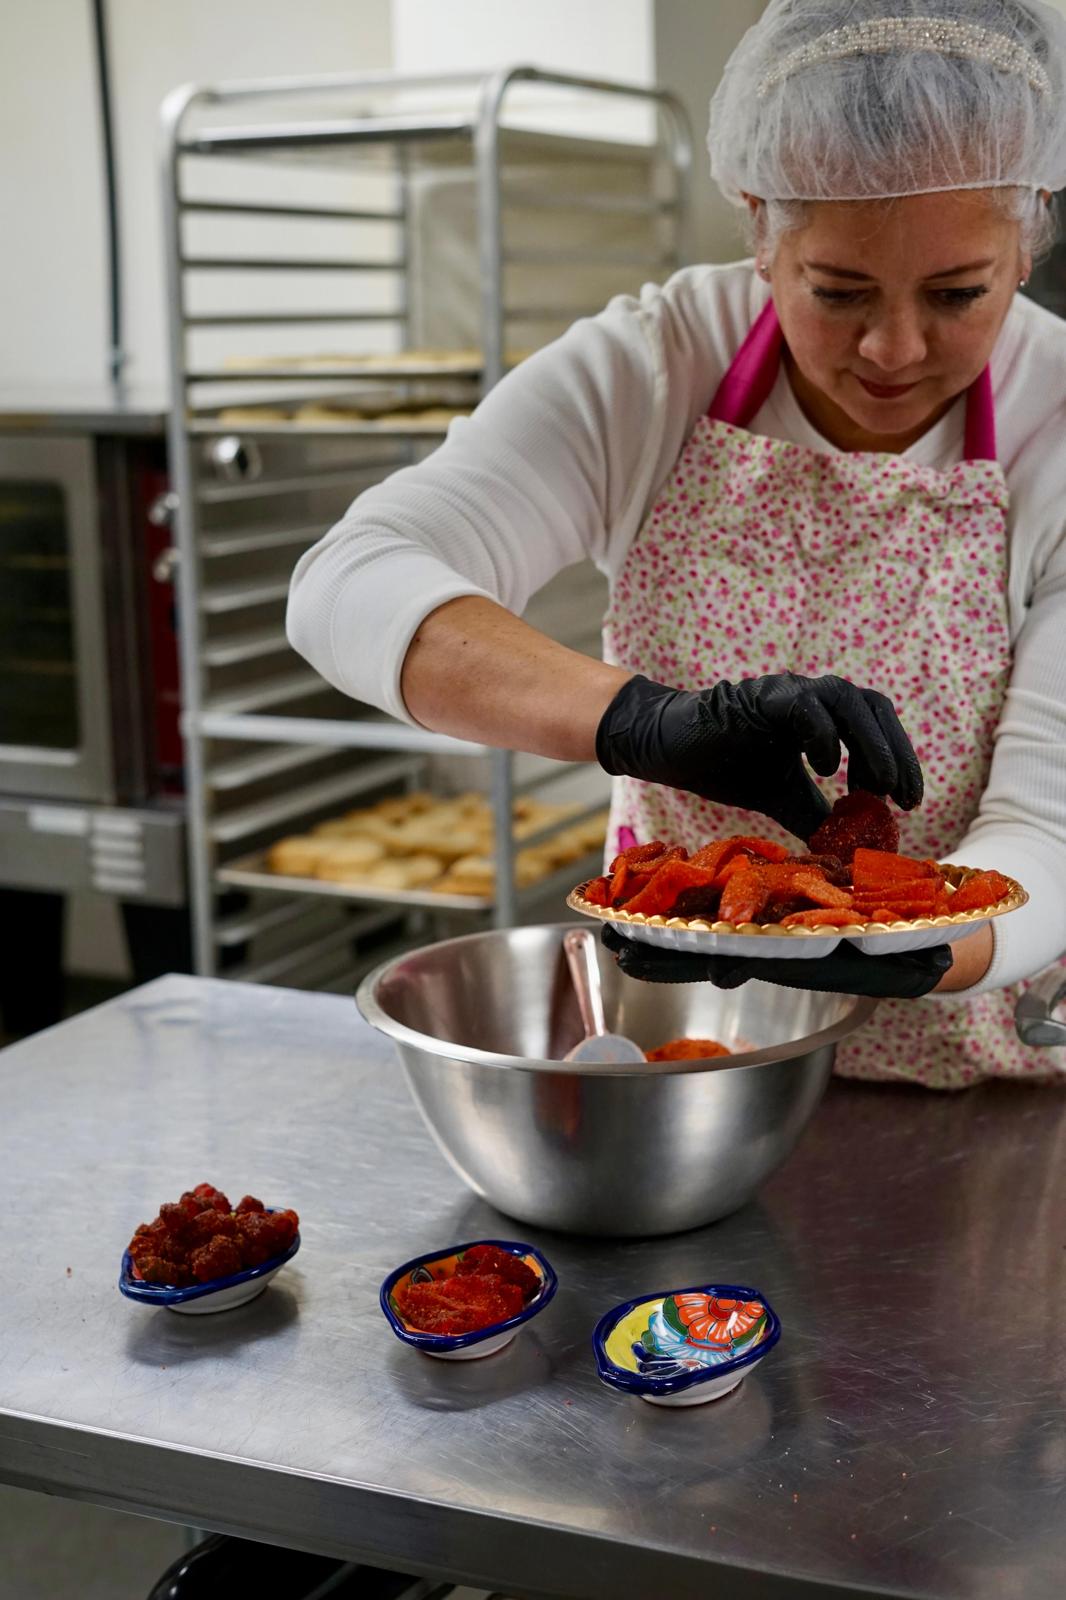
x=886 y=391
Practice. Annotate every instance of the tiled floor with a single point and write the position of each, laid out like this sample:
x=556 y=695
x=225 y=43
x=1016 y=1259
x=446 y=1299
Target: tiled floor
x=61 y=1550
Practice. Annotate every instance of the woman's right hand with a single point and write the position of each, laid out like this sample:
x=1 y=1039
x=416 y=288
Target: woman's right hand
x=743 y=744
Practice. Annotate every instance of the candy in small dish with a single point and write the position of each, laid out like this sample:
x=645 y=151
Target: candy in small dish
x=199 y=1255
x=686 y=1346
x=469 y=1300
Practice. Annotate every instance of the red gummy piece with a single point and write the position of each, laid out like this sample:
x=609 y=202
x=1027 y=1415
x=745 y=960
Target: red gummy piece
x=219 y=1258
x=983 y=889
x=176 y=1216
x=919 y=889
x=164 y=1270
x=598 y=892
x=458 y=1305
x=283 y=1228
x=249 y=1203
x=748 y=893
x=423 y=1307
x=256 y=1238
x=874 y=867
x=638 y=853
x=812 y=883
x=831 y=867
x=657 y=897
x=213 y=1197
x=857 y=821
x=489 y=1258
x=745 y=895
x=210 y=1225
x=766 y=849
x=714 y=856
x=741 y=862
x=493 y=1298
x=628 y=881
x=821 y=917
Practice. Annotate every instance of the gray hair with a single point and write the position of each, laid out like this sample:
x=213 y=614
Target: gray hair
x=1036 y=217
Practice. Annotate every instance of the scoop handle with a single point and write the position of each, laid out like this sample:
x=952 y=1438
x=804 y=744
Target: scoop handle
x=580 y=947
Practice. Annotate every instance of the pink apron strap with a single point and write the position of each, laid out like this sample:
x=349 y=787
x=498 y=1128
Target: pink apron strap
x=980 y=442
x=746 y=387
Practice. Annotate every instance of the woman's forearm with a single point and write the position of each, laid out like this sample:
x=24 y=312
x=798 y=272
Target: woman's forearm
x=478 y=672
x=971 y=958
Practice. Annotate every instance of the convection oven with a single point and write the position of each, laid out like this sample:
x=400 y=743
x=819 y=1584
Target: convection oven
x=90 y=752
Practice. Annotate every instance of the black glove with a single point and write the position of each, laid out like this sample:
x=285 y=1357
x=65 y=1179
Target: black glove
x=845 y=970
x=742 y=744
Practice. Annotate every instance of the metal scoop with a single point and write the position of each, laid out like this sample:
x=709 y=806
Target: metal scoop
x=597 y=1045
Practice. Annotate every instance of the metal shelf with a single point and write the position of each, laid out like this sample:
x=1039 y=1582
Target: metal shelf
x=251 y=872
x=262 y=816
x=246 y=511
x=366 y=428
x=339 y=367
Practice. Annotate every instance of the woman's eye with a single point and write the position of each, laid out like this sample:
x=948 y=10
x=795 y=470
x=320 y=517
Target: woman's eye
x=837 y=297
x=956 y=298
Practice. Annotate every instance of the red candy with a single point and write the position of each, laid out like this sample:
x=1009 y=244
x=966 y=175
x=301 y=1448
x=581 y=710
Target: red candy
x=983 y=889
x=489 y=1258
x=199 y=1237
x=458 y=1304
x=857 y=821
x=218 y=1259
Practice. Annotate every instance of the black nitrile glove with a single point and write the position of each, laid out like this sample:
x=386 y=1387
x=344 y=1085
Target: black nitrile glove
x=844 y=971
x=743 y=744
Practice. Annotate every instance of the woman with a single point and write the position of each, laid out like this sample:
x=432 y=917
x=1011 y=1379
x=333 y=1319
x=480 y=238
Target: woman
x=790 y=466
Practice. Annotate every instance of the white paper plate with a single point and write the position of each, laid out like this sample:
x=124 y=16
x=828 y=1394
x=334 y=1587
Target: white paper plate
x=773 y=941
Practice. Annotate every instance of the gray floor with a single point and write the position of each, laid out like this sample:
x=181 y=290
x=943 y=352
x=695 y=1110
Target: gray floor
x=61 y=1550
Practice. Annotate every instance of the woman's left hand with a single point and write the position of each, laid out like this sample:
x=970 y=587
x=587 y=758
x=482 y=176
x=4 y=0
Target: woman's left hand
x=846 y=970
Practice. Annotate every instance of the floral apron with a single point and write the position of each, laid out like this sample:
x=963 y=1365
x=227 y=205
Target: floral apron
x=762 y=556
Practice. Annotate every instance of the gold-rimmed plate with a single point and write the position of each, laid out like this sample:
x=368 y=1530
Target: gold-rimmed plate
x=702 y=937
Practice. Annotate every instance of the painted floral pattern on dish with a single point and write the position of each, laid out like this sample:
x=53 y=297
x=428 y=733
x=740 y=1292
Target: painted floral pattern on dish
x=688 y=1331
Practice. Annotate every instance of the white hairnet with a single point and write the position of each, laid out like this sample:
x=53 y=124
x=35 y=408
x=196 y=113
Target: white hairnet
x=868 y=99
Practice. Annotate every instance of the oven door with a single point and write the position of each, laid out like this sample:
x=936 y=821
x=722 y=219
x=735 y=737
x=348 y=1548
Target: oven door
x=54 y=712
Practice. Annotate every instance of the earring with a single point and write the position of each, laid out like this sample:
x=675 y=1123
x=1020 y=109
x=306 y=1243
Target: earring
x=763 y=270
x=1022 y=282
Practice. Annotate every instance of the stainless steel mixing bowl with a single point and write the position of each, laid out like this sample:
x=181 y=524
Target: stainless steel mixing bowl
x=481 y=1024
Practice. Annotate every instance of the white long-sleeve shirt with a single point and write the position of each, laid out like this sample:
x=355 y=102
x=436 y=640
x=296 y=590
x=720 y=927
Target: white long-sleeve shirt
x=564 y=460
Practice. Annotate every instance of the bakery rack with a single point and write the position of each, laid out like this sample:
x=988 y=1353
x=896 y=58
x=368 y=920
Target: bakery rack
x=312 y=213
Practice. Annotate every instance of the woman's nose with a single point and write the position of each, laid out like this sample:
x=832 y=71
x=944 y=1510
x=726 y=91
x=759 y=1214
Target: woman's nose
x=894 y=341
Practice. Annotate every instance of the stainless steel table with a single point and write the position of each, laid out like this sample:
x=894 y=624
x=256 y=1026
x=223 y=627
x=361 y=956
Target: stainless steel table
x=906 y=1438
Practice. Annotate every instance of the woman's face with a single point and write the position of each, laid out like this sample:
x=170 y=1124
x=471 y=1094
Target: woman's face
x=890 y=309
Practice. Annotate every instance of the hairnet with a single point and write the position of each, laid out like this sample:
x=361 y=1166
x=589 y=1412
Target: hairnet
x=868 y=99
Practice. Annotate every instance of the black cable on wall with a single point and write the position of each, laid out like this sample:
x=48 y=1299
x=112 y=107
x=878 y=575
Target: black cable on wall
x=116 y=353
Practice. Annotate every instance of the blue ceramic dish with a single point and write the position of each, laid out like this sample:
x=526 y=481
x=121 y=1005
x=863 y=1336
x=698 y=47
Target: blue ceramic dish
x=465 y=1346
x=219 y=1294
x=685 y=1346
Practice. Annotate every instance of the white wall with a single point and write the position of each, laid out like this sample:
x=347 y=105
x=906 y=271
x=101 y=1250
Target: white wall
x=594 y=38
x=692 y=43
x=680 y=44
x=53 y=285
